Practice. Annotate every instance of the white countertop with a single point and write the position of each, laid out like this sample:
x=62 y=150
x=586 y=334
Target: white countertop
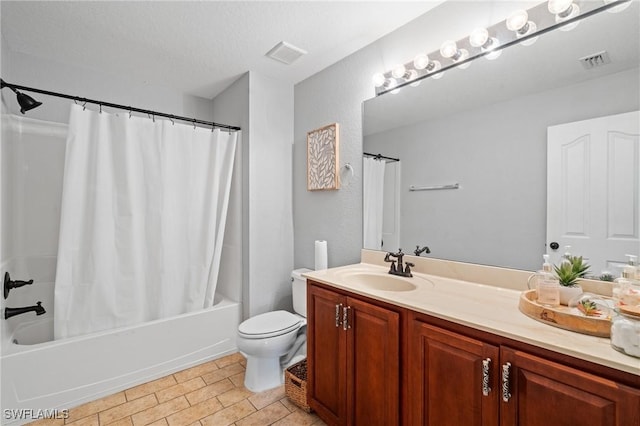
x=484 y=307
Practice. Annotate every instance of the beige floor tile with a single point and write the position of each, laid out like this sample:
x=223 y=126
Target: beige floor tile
x=230 y=359
x=86 y=421
x=127 y=409
x=196 y=371
x=298 y=418
x=194 y=413
x=290 y=405
x=222 y=373
x=94 y=407
x=237 y=379
x=180 y=389
x=159 y=411
x=161 y=422
x=150 y=387
x=234 y=395
x=229 y=415
x=262 y=399
x=122 y=422
x=210 y=391
x=266 y=416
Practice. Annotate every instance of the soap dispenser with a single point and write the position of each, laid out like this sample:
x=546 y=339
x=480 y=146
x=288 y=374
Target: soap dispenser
x=548 y=286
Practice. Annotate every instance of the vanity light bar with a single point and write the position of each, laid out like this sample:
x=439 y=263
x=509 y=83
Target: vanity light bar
x=521 y=27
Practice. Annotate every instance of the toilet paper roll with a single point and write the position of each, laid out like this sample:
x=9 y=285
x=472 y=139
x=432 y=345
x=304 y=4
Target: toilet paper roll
x=321 y=255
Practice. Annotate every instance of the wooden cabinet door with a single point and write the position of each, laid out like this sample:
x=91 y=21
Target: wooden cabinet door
x=547 y=393
x=446 y=379
x=326 y=360
x=373 y=364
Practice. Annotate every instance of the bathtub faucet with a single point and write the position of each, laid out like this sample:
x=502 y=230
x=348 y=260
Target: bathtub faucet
x=8 y=284
x=10 y=312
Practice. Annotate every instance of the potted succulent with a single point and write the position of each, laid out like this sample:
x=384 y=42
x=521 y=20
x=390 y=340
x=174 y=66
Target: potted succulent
x=569 y=272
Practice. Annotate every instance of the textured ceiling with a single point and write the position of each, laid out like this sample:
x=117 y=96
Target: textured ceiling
x=199 y=47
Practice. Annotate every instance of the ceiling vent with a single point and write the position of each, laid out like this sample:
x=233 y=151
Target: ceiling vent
x=595 y=60
x=285 y=52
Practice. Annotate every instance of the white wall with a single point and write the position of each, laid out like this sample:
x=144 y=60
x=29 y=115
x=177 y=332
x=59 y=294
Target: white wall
x=263 y=107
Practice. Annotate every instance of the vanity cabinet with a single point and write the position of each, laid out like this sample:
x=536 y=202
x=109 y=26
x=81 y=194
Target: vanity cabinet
x=461 y=380
x=353 y=351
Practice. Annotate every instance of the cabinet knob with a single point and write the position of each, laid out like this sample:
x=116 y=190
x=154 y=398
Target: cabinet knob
x=486 y=363
x=506 y=372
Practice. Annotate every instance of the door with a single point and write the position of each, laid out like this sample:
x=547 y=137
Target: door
x=542 y=393
x=373 y=364
x=453 y=378
x=326 y=348
x=593 y=190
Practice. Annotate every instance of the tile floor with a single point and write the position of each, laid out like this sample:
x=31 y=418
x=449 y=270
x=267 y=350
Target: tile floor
x=209 y=394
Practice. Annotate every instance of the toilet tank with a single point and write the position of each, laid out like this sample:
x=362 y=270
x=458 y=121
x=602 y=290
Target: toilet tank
x=299 y=291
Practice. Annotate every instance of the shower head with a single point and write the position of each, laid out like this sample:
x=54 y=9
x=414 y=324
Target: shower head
x=25 y=101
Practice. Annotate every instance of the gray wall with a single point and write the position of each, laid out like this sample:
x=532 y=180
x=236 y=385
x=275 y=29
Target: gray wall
x=498 y=155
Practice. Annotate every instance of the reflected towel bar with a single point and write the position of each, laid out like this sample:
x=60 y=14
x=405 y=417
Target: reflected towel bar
x=431 y=188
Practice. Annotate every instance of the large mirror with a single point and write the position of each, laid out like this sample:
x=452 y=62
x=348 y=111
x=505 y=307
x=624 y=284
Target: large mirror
x=482 y=132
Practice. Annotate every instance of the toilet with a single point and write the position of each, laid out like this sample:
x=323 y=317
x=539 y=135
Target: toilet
x=275 y=340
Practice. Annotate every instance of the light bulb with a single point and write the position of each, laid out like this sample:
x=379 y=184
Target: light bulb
x=378 y=79
x=399 y=71
x=572 y=12
x=448 y=49
x=390 y=83
x=413 y=74
x=434 y=67
x=517 y=20
x=462 y=55
x=531 y=28
x=558 y=6
x=479 y=37
x=494 y=54
x=421 y=61
x=619 y=8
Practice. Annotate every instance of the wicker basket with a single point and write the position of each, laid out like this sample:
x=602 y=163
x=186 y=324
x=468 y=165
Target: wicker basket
x=295 y=384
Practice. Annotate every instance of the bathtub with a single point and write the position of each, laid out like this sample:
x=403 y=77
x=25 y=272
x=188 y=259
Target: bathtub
x=41 y=374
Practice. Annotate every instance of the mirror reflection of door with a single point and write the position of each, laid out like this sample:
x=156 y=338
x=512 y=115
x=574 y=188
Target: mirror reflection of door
x=593 y=190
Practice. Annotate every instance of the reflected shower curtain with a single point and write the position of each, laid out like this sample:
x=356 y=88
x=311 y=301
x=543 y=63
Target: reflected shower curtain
x=373 y=189
x=144 y=206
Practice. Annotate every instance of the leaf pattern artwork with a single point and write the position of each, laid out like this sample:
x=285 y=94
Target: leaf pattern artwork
x=322 y=158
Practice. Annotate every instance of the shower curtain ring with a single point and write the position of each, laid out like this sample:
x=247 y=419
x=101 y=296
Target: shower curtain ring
x=194 y=124
x=84 y=106
x=153 y=118
x=100 y=108
x=172 y=122
x=129 y=112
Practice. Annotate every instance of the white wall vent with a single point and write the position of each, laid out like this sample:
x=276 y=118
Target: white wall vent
x=595 y=60
x=285 y=52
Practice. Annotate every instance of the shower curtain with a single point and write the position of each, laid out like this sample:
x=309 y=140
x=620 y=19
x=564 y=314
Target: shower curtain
x=373 y=189
x=144 y=206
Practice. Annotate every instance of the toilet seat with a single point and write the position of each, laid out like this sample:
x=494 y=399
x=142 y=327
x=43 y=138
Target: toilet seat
x=270 y=324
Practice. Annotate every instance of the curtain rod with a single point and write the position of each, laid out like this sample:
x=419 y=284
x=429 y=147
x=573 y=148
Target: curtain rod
x=123 y=107
x=380 y=156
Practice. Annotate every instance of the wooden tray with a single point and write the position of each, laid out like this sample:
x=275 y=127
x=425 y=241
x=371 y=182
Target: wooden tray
x=564 y=317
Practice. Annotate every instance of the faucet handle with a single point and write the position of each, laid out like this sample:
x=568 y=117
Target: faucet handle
x=407 y=269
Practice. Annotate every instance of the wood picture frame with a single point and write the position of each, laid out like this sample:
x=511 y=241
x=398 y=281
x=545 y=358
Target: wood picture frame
x=323 y=158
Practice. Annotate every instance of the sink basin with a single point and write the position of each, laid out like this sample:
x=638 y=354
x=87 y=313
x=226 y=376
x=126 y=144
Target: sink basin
x=384 y=282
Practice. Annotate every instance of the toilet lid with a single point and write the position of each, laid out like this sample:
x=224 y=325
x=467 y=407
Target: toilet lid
x=269 y=324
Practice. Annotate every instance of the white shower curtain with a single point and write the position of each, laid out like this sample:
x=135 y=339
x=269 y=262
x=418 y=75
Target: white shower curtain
x=373 y=182
x=144 y=206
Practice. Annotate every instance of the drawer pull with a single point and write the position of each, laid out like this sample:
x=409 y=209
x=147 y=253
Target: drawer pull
x=345 y=318
x=486 y=363
x=506 y=372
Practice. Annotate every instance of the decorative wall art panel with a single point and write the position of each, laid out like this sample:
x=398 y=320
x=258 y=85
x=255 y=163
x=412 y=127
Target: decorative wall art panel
x=322 y=158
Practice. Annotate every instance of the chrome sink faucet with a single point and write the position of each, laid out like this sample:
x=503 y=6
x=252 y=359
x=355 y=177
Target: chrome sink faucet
x=403 y=270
